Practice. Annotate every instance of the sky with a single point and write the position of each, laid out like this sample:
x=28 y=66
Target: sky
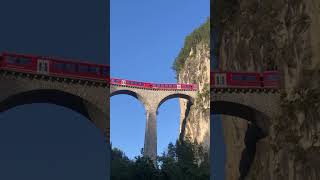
x=218 y=149
x=146 y=37
x=42 y=141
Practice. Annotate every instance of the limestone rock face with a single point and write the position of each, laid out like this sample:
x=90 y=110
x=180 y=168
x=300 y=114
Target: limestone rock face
x=196 y=70
x=234 y=134
x=259 y=35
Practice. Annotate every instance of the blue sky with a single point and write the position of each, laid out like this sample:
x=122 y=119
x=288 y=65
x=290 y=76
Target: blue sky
x=146 y=37
x=42 y=141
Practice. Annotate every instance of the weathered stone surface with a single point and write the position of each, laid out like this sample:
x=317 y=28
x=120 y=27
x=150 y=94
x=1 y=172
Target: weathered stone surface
x=195 y=120
x=283 y=35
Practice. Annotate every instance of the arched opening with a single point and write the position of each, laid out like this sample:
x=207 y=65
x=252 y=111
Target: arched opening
x=256 y=125
x=169 y=120
x=60 y=98
x=46 y=141
x=126 y=134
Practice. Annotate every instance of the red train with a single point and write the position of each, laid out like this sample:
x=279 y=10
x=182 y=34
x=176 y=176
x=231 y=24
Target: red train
x=267 y=79
x=148 y=85
x=52 y=66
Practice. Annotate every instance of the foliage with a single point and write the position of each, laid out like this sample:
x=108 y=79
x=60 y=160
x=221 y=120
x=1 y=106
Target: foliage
x=201 y=34
x=183 y=161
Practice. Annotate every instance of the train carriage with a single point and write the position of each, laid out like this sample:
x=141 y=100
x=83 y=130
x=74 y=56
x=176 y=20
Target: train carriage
x=271 y=79
x=53 y=66
x=148 y=85
x=267 y=79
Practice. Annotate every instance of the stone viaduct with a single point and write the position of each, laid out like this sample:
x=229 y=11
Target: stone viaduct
x=91 y=99
x=87 y=97
x=257 y=106
x=152 y=100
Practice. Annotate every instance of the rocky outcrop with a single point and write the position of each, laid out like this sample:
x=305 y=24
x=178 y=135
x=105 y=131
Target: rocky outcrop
x=259 y=35
x=193 y=66
x=196 y=124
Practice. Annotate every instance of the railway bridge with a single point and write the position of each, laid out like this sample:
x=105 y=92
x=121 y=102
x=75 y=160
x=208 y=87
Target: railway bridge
x=252 y=104
x=85 y=96
x=152 y=100
x=256 y=105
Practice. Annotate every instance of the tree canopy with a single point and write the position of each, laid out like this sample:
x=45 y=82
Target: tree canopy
x=181 y=161
x=201 y=34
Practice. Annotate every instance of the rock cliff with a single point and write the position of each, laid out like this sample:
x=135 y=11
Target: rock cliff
x=259 y=35
x=193 y=66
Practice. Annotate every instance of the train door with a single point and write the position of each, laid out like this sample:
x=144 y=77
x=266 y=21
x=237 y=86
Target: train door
x=261 y=80
x=123 y=82
x=220 y=79
x=43 y=66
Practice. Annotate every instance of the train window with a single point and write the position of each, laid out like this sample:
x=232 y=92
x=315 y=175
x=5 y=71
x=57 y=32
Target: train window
x=272 y=77
x=218 y=79
x=222 y=80
x=70 y=67
x=11 y=60
x=104 y=71
x=93 y=69
x=237 y=77
x=83 y=68
x=251 y=78
x=59 y=66
x=23 y=60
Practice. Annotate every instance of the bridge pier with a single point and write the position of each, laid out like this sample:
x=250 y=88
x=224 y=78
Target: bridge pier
x=150 y=142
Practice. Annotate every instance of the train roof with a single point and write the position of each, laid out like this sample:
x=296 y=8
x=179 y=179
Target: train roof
x=53 y=58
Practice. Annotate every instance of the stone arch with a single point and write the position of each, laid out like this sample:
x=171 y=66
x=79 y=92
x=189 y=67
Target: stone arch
x=60 y=98
x=248 y=113
x=175 y=95
x=130 y=93
x=257 y=128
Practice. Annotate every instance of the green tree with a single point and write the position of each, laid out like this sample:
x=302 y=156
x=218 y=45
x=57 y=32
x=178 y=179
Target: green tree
x=185 y=160
x=121 y=166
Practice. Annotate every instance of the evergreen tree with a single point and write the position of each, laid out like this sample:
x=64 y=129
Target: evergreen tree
x=185 y=160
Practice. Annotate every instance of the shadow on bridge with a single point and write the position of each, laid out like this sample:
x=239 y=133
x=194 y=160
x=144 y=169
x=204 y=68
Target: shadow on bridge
x=257 y=129
x=60 y=98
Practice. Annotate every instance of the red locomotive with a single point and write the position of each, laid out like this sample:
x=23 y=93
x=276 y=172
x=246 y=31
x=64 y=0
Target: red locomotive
x=267 y=79
x=148 y=85
x=52 y=66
